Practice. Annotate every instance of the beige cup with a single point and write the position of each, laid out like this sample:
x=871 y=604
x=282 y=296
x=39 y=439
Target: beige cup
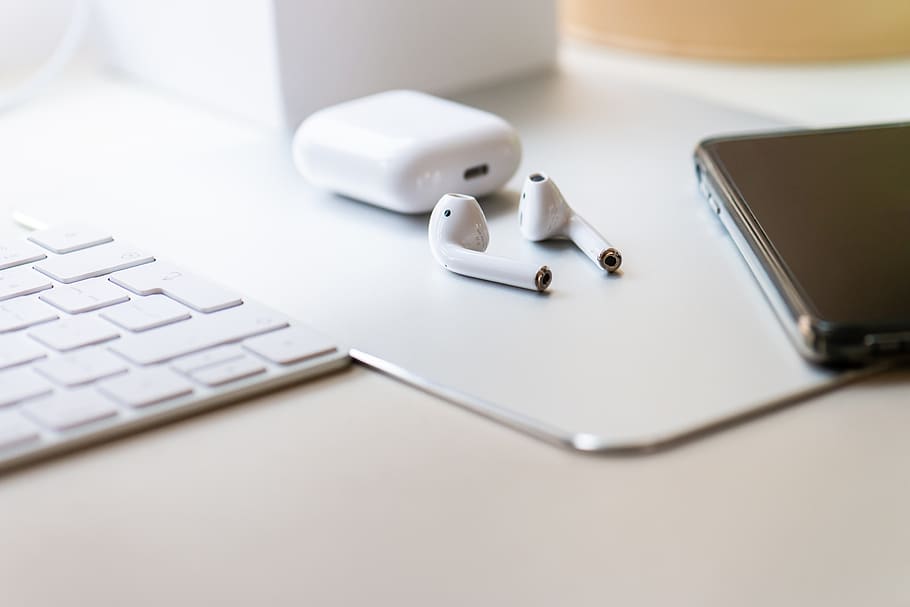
x=776 y=30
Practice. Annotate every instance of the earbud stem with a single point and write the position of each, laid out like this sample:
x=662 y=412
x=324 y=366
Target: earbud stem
x=593 y=244
x=497 y=269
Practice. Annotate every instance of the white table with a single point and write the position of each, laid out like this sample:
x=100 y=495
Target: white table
x=261 y=503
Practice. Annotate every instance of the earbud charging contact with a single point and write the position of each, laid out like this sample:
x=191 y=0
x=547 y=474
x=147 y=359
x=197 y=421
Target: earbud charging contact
x=610 y=259
x=543 y=278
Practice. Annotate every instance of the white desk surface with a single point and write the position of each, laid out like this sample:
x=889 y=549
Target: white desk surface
x=261 y=503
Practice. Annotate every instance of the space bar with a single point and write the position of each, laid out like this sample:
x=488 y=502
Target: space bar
x=198 y=333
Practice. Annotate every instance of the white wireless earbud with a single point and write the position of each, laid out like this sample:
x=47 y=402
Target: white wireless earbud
x=543 y=213
x=459 y=237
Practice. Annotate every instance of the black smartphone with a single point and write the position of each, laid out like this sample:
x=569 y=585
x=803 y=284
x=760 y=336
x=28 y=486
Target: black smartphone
x=822 y=218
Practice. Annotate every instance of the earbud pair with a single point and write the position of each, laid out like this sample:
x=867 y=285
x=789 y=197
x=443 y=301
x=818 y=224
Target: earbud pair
x=459 y=236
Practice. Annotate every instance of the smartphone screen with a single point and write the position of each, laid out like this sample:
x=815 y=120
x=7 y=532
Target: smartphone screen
x=835 y=207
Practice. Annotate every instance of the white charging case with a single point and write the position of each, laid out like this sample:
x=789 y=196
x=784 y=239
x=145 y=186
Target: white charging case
x=403 y=150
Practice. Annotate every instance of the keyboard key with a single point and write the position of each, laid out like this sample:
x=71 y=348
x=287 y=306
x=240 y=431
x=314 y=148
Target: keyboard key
x=76 y=332
x=198 y=333
x=15 y=430
x=222 y=373
x=188 y=364
x=81 y=367
x=94 y=261
x=24 y=312
x=18 y=252
x=18 y=385
x=85 y=296
x=146 y=387
x=17 y=349
x=66 y=239
x=21 y=281
x=69 y=409
x=290 y=345
x=166 y=278
x=144 y=313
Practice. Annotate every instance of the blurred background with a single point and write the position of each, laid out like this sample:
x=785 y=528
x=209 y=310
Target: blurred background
x=29 y=30
x=775 y=30
x=788 y=58
x=728 y=29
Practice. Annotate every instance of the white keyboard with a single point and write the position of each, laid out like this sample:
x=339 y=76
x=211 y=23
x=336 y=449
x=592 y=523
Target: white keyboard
x=99 y=338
